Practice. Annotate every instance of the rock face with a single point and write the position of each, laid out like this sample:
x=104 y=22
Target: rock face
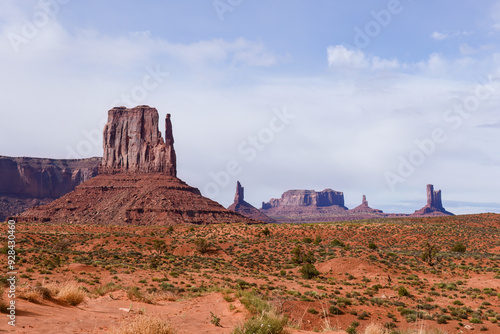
x=300 y=198
x=306 y=206
x=364 y=208
x=138 y=184
x=133 y=143
x=25 y=182
x=247 y=209
x=434 y=206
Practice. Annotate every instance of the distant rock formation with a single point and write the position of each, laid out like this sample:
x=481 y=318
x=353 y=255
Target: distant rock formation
x=26 y=182
x=247 y=209
x=434 y=206
x=364 y=208
x=306 y=206
x=133 y=143
x=301 y=198
x=138 y=184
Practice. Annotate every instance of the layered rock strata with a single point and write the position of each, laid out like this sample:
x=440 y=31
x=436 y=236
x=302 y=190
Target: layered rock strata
x=26 y=182
x=138 y=183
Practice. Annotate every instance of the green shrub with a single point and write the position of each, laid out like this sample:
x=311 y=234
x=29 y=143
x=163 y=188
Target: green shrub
x=459 y=247
x=202 y=245
x=403 y=292
x=267 y=323
x=309 y=271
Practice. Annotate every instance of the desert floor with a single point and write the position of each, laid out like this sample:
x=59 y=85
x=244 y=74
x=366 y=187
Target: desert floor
x=198 y=276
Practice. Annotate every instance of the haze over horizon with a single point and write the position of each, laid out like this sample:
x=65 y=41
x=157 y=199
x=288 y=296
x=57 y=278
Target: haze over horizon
x=374 y=97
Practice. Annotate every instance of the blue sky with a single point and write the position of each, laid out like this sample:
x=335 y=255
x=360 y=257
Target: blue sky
x=367 y=97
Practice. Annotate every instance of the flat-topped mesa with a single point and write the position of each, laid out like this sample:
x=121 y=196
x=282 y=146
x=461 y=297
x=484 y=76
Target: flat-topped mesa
x=134 y=144
x=300 y=198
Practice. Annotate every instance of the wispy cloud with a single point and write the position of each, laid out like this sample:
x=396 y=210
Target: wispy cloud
x=341 y=57
x=441 y=36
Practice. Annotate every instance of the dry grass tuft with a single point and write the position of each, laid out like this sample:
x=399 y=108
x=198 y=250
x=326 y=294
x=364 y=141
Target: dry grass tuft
x=375 y=329
x=146 y=325
x=36 y=293
x=71 y=294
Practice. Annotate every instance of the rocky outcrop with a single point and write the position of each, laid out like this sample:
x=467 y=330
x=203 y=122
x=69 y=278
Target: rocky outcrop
x=25 y=182
x=301 y=198
x=364 y=208
x=306 y=206
x=138 y=185
x=247 y=209
x=434 y=206
x=133 y=143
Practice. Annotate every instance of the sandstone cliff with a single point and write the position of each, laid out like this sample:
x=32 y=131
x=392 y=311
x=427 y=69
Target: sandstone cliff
x=247 y=209
x=25 y=182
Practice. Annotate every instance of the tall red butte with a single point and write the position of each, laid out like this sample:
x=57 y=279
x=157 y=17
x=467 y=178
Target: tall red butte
x=137 y=182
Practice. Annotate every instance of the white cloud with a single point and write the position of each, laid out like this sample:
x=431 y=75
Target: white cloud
x=438 y=36
x=341 y=57
x=441 y=36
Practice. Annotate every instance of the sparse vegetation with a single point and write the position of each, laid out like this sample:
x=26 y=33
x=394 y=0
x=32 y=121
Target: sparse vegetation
x=146 y=325
x=280 y=272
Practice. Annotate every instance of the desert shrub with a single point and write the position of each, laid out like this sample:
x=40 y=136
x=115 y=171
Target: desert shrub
x=71 y=294
x=307 y=240
x=372 y=245
x=215 y=320
x=159 y=246
x=309 y=271
x=337 y=243
x=429 y=253
x=267 y=323
x=202 y=245
x=335 y=310
x=403 y=292
x=459 y=247
x=265 y=319
x=363 y=315
x=146 y=325
x=312 y=310
x=266 y=231
x=253 y=302
x=299 y=256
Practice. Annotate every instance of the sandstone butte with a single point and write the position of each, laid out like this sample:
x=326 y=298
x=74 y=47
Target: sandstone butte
x=309 y=206
x=246 y=209
x=137 y=182
x=434 y=206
